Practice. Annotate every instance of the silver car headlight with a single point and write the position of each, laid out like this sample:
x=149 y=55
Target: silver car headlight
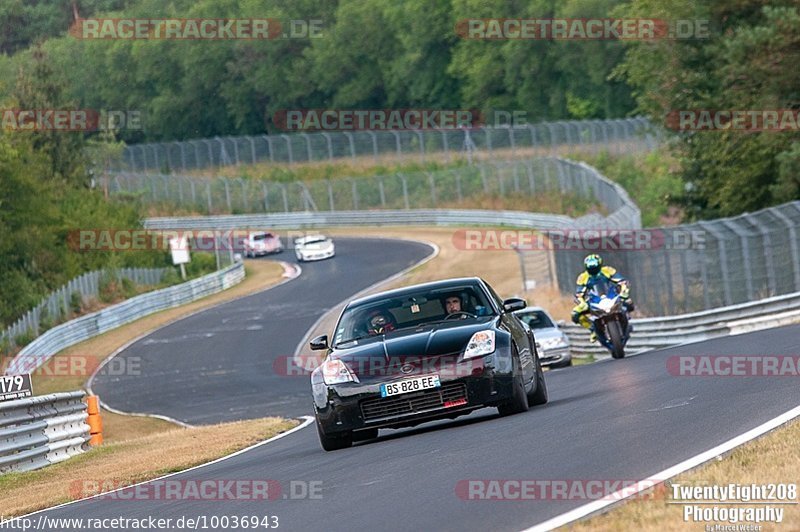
x=334 y=371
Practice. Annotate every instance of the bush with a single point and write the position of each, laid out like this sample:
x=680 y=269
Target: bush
x=76 y=302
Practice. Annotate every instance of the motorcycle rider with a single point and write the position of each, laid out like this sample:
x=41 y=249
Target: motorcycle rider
x=594 y=271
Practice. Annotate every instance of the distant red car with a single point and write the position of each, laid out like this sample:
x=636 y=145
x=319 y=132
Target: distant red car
x=262 y=243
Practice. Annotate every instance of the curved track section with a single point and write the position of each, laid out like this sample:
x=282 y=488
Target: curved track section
x=217 y=365
x=624 y=419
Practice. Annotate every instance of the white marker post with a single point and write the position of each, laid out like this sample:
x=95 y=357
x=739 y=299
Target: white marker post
x=179 y=248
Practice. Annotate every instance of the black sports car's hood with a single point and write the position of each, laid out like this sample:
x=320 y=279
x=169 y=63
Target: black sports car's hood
x=384 y=356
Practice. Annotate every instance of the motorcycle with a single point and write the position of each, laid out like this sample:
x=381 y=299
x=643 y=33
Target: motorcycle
x=609 y=313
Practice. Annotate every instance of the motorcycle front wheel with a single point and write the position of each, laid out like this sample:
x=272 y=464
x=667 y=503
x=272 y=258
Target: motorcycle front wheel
x=614 y=331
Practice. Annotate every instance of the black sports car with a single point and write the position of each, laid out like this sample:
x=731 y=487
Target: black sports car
x=435 y=350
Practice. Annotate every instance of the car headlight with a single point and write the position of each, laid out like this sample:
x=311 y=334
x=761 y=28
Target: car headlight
x=481 y=343
x=554 y=343
x=334 y=371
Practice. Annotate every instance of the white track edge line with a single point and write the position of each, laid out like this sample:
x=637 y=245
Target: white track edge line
x=595 y=506
x=307 y=420
x=290 y=272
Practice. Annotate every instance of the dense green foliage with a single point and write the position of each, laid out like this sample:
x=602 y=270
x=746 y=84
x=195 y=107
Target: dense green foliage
x=749 y=63
x=376 y=54
x=372 y=54
x=44 y=196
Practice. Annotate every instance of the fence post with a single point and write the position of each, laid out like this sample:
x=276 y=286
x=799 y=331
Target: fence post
x=405 y=191
x=352 y=144
x=330 y=195
x=327 y=138
x=374 y=144
x=308 y=146
x=252 y=150
x=793 y=246
x=748 y=271
x=723 y=261
x=288 y=147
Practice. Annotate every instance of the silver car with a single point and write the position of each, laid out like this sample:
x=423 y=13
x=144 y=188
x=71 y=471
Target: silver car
x=553 y=343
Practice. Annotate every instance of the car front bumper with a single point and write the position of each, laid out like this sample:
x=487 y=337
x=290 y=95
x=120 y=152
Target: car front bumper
x=353 y=406
x=555 y=357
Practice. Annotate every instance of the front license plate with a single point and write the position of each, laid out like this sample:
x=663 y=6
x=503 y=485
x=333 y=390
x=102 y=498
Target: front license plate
x=410 y=385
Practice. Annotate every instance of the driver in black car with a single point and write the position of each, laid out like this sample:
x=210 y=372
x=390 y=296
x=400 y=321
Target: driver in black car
x=453 y=306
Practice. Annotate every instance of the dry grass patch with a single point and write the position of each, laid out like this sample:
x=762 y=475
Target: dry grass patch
x=772 y=459
x=132 y=461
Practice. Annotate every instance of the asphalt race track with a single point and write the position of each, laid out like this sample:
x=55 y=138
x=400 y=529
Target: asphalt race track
x=614 y=420
x=217 y=365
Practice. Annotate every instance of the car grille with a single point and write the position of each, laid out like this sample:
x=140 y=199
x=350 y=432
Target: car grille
x=385 y=407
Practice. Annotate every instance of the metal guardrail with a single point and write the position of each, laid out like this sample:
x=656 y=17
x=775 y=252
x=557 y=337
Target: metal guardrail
x=57 y=305
x=655 y=333
x=39 y=431
x=622 y=212
x=630 y=134
x=440 y=189
x=58 y=338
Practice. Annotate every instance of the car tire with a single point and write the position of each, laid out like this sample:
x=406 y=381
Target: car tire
x=519 y=400
x=361 y=435
x=334 y=443
x=539 y=395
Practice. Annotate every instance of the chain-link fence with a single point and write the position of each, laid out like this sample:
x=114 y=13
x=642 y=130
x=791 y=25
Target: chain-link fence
x=441 y=189
x=66 y=300
x=696 y=266
x=617 y=136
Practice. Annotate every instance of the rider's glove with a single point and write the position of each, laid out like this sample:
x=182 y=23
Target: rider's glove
x=579 y=309
x=625 y=293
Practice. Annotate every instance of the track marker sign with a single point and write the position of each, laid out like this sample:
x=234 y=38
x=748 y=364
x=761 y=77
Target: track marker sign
x=15 y=387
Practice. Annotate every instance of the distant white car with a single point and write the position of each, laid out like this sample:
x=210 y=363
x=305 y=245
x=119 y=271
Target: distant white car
x=314 y=247
x=553 y=343
x=261 y=243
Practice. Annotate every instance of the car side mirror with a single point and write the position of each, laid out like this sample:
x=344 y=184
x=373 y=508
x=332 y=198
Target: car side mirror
x=514 y=303
x=561 y=323
x=319 y=343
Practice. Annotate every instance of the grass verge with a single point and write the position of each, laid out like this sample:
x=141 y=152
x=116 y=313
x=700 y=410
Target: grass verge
x=771 y=459
x=131 y=461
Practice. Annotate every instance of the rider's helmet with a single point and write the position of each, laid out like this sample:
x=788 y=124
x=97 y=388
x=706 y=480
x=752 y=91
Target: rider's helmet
x=593 y=264
x=379 y=322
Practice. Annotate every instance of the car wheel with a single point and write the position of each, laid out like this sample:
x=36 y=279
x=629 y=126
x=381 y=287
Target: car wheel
x=361 y=435
x=519 y=400
x=539 y=395
x=334 y=443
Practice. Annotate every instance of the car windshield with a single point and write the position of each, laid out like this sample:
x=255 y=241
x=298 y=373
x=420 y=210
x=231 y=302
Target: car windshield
x=313 y=240
x=536 y=319
x=260 y=236
x=413 y=309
